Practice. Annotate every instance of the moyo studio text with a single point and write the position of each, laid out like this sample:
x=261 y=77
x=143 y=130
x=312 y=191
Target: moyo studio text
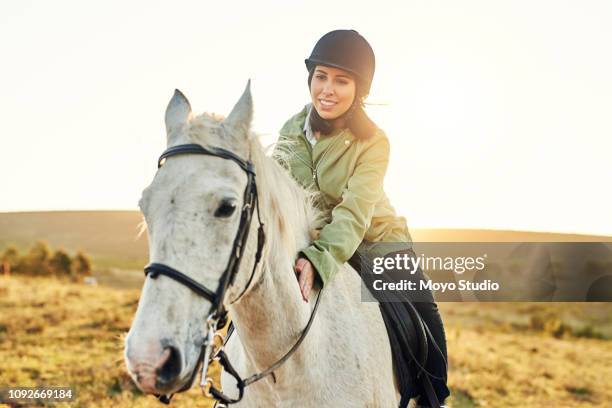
x=404 y=284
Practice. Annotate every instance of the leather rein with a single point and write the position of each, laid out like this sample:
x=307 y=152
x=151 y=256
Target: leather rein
x=217 y=315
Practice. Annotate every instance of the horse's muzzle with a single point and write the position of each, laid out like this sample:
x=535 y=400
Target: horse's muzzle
x=159 y=377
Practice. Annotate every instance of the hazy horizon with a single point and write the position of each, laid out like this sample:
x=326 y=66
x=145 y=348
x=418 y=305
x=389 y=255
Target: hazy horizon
x=419 y=228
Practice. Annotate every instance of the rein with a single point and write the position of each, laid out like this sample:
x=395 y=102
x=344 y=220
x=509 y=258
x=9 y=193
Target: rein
x=217 y=315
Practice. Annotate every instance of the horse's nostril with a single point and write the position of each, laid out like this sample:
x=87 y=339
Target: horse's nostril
x=171 y=368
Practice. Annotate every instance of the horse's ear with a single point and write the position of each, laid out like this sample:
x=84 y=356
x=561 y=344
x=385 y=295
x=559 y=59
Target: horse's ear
x=239 y=120
x=178 y=112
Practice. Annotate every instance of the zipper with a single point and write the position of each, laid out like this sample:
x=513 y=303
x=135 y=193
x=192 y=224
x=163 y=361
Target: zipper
x=316 y=167
x=309 y=148
x=313 y=168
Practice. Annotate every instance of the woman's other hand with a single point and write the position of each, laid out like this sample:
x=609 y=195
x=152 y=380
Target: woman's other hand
x=305 y=274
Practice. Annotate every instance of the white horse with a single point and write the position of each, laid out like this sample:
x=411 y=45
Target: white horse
x=344 y=361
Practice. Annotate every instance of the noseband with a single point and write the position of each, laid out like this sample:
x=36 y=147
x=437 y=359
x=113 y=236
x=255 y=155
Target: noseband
x=217 y=316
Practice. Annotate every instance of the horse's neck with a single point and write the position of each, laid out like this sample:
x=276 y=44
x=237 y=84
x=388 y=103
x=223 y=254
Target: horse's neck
x=271 y=315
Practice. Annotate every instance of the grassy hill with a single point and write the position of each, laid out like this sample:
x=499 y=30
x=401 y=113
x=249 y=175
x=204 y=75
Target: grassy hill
x=111 y=237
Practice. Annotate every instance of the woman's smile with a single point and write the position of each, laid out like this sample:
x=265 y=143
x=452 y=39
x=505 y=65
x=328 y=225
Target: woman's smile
x=327 y=104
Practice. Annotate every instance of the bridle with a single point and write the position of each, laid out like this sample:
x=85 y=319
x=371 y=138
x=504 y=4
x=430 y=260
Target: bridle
x=217 y=316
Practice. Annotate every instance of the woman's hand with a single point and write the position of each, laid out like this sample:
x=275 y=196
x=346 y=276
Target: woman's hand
x=305 y=274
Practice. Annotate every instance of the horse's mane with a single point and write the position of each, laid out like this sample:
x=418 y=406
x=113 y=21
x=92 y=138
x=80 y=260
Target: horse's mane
x=282 y=201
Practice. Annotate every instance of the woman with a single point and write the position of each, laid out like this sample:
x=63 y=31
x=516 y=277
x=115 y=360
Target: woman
x=332 y=146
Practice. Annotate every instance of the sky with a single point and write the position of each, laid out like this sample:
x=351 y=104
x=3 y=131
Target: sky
x=498 y=112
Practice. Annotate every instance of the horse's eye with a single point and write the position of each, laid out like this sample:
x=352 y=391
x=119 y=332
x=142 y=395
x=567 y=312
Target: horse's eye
x=226 y=209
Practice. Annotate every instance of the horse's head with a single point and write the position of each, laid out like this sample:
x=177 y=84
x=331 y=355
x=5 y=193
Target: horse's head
x=192 y=211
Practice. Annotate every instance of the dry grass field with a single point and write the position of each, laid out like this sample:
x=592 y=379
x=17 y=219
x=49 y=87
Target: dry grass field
x=68 y=334
x=60 y=333
x=501 y=355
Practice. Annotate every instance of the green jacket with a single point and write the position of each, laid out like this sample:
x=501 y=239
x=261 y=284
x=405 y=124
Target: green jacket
x=349 y=173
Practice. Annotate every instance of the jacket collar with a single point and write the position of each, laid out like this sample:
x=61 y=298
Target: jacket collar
x=295 y=125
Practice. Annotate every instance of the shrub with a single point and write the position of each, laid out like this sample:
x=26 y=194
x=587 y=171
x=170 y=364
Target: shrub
x=10 y=260
x=60 y=263
x=39 y=261
x=81 y=265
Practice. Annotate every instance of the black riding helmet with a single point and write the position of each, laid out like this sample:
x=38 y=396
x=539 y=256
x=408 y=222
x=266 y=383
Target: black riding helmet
x=347 y=50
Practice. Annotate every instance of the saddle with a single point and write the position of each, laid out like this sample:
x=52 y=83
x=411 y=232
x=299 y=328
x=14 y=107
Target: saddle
x=408 y=335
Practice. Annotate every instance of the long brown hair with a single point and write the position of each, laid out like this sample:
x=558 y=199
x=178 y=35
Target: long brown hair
x=357 y=120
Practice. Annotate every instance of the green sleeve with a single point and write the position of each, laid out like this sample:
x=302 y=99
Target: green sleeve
x=351 y=218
